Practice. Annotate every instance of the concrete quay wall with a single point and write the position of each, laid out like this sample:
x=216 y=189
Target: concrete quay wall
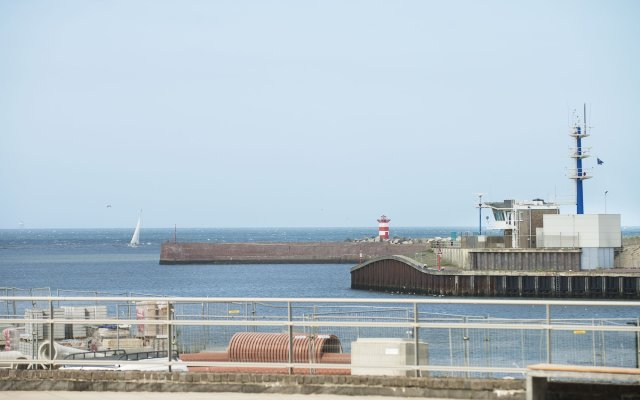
x=136 y=381
x=281 y=253
x=513 y=259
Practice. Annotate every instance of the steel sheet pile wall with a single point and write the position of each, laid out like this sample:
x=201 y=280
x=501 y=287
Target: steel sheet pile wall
x=398 y=274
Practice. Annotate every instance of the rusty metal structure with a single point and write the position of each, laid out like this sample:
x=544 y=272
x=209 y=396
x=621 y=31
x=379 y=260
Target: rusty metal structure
x=405 y=275
x=263 y=347
x=274 y=347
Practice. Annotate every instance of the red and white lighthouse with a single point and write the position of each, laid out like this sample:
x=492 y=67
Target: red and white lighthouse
x=383 y=227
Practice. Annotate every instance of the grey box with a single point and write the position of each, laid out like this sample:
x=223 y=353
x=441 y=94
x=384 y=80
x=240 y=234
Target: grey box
x=387 y=354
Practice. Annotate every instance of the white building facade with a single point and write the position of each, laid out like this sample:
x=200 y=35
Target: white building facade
x=598 y=235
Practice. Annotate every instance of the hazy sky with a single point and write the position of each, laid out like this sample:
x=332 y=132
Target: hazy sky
x=310 y=113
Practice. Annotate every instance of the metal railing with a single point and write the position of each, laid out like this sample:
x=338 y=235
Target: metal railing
x=441 y=336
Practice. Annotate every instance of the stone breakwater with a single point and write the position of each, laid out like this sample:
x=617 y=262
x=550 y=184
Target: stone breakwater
x=629 y=256
x=283 y=253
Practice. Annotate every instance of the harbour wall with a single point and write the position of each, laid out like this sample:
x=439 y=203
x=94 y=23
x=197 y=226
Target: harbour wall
x=404 y=275
x=282 y=253
x=514 y=259
x=549 y=259
x=534 y=259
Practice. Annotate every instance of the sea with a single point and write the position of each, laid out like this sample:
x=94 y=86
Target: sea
x=71 y=261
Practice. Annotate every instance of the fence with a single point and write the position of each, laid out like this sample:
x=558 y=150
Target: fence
x=426 y=336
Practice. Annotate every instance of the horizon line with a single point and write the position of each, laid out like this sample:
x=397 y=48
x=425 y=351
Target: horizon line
x=374 y=228
x=250 y=227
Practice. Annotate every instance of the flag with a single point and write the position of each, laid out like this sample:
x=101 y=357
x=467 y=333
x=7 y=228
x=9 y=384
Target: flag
x=600 y=162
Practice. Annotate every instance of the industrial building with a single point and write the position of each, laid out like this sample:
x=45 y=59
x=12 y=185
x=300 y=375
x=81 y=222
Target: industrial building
x=533 y=235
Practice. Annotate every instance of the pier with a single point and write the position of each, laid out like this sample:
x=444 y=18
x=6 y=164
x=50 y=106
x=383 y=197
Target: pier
x=282 y=253
x=404 y=275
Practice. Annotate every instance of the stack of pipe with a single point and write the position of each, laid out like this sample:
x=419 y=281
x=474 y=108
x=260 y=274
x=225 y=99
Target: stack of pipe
x=255 y=347
x=274 y=347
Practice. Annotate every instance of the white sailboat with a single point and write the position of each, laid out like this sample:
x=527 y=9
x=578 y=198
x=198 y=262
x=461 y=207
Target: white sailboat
x=135 y=239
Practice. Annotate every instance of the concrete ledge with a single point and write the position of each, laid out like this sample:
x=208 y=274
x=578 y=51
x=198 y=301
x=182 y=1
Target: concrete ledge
x=136 y=381
x=564 y=381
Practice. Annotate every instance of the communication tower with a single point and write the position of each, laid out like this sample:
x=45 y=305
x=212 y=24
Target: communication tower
x=579 y=173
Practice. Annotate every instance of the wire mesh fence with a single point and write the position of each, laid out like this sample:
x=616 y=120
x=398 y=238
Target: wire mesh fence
x=437 y=337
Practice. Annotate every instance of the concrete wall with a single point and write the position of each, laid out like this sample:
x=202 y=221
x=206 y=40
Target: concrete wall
x=513 y=259
x=524 y=260
x=598 y=257
x=135 y=381
x=456 y=256
x=298 y=253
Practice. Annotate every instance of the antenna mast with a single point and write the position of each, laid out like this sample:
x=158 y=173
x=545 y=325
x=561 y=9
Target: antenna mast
x=579 y=153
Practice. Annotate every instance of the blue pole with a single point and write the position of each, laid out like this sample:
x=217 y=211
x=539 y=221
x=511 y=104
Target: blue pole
x=579 y=194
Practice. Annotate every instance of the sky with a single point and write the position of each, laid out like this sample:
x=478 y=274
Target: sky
x=311 y=113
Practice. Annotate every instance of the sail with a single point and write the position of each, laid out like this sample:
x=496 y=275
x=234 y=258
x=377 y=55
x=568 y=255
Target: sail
x=135 y=239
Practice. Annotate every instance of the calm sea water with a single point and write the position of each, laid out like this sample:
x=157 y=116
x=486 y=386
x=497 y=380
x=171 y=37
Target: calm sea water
x=73 y=262
x=99 y=260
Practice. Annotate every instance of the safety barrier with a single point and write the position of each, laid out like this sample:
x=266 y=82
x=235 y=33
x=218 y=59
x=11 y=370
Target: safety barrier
x=418 y=336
